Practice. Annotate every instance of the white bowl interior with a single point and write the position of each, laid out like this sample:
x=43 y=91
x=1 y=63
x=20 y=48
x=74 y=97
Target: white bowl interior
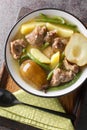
x=13 y=66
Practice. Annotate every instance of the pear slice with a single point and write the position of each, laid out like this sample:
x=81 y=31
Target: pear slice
x=39 y=55
x=76 y=49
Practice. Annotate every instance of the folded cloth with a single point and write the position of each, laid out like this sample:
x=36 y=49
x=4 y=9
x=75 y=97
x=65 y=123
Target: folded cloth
x=35 y=117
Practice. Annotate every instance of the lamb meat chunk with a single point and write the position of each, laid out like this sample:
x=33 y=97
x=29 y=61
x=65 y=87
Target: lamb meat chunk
x=16 y=48
x=36 y=37
x=69 y=66
x=59 y=44
x=61 y=76
x=50 y=36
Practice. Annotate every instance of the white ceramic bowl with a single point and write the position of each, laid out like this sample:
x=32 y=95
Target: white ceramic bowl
x=12 y=66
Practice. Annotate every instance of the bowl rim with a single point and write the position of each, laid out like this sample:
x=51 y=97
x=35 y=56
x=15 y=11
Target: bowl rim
x=8 y=39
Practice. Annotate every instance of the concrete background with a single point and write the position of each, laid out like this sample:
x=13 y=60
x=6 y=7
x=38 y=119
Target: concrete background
x=9 y=10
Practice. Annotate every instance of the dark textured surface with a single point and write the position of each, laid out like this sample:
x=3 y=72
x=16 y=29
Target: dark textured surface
x=9 y=10
x=82 y=122
x=6 y=124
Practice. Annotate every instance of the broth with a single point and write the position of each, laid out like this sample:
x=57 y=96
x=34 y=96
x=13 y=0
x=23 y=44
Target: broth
x=44 y=40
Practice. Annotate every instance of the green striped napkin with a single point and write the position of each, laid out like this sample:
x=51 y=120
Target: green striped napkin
x=35 y=117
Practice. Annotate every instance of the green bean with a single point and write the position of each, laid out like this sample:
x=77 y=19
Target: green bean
x=50 y=75
x=22 y=59
x=45 y=45
x=56 y=20
x=46 y=67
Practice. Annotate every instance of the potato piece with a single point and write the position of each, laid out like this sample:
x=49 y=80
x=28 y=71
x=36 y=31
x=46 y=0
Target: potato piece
x=33 y=74
x=39 y=55
x=28 y=27
x=48 y=51
x=61 y=31
x=55 y=59
x=76 y=49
